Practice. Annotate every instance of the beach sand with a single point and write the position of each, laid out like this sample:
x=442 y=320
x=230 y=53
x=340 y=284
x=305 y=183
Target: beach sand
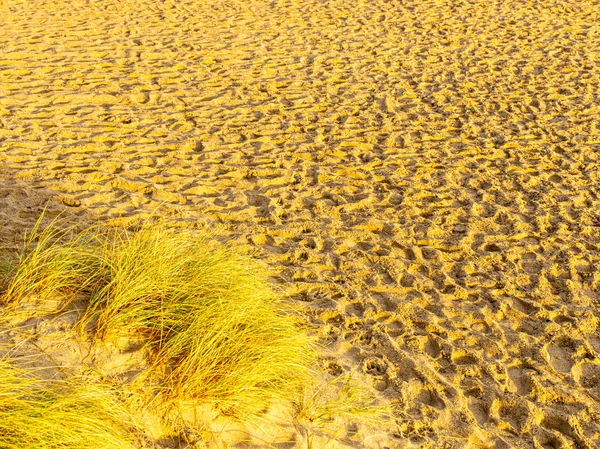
x=422 y=176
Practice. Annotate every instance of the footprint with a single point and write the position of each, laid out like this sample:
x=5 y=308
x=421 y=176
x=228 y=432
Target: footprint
x=560 y=354
x=492 y=247
x=559 y=424
x=463 y=358
x=524 y=306
x=481 y=327
x=406 y=370
x=431 y=398
x=519 y=381
x=375 y=367
x=480 y=411
x=547 y=440
x=562 y=319
x=333 y=367
x=409 y=254
x=429 y=253
x=432 y=348
x=514 y=414
x=588 y=376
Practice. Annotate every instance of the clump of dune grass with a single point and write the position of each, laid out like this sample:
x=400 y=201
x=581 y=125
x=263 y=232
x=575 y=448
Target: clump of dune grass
x=53 y=262
x=215 y=332
x=217 y=337
x=210 y=319
x=38 y=413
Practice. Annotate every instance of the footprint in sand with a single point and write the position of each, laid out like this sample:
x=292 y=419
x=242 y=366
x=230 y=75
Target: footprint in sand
x=560 y=354
x=333 y=367
x=375 y=366
x=510 y=414
x=587 y=374
x=464 y=358
x=519 y=381
x=432 y=348
x=377 y=371
x=480 y=410
x=431 y=398
x=562 y=429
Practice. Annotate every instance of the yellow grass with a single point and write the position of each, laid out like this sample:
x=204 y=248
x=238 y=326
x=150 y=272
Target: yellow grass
x=52 y=414
x=206 y=312
x=52 y=262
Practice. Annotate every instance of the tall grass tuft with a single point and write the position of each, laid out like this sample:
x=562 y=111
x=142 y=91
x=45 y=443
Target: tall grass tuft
x=56 y=414
x=215 y=331
x=53 y=262
x=218 y=339
x=206 y=311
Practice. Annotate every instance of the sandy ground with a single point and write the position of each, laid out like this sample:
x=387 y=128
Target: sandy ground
x=423 y=176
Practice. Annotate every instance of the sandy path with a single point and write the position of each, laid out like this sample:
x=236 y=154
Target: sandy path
x=422 y=175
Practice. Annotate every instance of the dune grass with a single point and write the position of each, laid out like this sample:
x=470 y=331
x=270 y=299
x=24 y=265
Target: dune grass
x=53 y=262
x=206 y=312
x=215 y=331
x=38 y=413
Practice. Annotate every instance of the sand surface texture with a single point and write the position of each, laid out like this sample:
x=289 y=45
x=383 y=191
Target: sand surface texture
x=423 y=177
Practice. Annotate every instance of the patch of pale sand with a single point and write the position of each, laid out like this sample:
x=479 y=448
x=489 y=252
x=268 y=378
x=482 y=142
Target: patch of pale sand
x=422 y=176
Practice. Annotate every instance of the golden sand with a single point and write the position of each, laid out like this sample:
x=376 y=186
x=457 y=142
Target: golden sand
x=422 y=175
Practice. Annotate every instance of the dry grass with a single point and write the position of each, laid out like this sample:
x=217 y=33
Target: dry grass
x=206 y=312
x=53 y=262
x=50 y=414
x=215 y=331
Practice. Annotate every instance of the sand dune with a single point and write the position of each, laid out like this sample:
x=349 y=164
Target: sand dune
x=422 y=175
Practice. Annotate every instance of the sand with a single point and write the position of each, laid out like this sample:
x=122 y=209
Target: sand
x=423 y=177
